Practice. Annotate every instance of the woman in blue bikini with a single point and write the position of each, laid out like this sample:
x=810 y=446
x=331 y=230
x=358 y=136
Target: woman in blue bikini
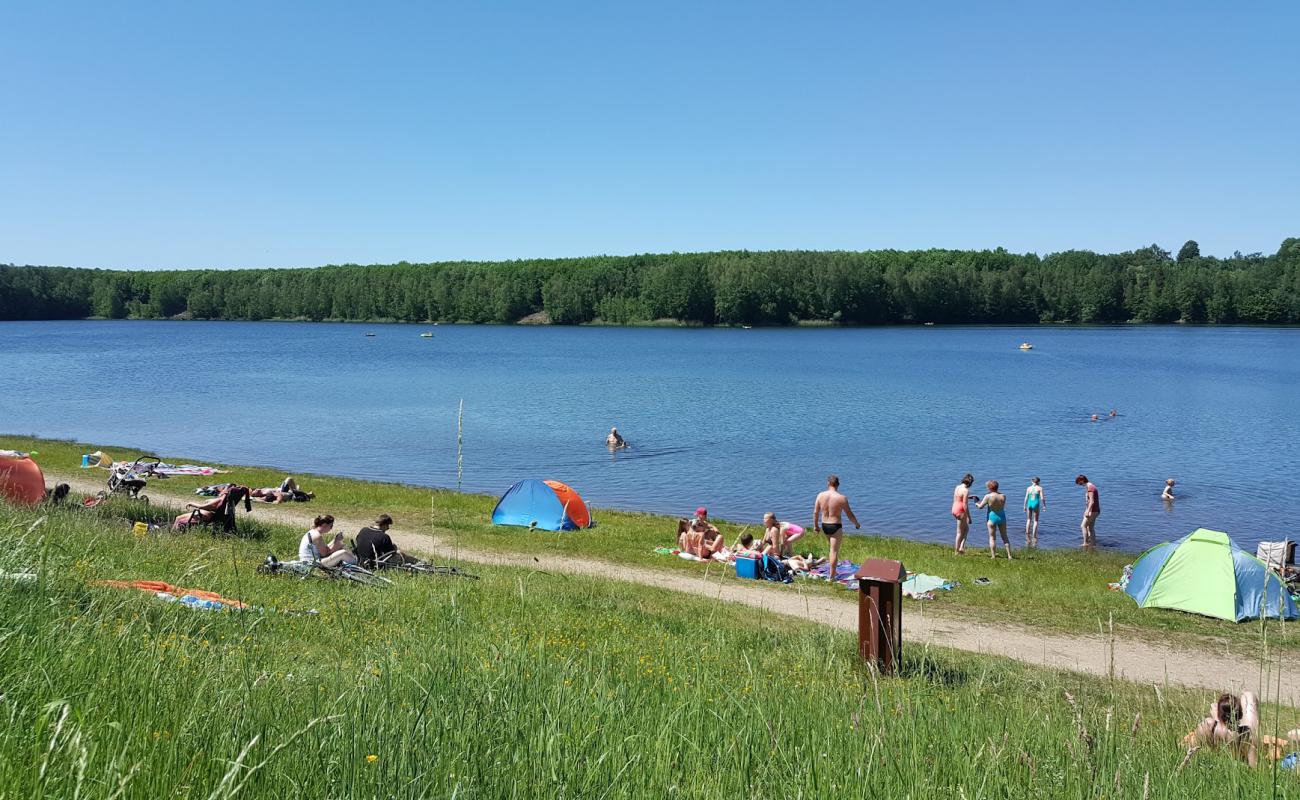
x=1034 y=505
x=996 y=503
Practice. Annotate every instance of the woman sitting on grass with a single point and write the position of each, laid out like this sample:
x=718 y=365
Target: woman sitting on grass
x=778 y=538
x=1233 y=723
x=313 y=547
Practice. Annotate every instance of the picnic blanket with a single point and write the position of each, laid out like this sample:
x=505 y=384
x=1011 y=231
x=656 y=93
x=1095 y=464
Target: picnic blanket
x=197 y=598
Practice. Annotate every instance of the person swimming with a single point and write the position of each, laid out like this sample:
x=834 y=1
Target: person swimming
x=1168 y=494
x=1034 y=505
x=615 y=440
x=1113 y=413
x=996 y=503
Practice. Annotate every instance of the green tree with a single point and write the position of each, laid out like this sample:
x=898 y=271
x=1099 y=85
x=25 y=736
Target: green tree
x=1190 y=251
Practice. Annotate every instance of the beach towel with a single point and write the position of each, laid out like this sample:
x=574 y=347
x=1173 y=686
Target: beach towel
x=186 y=469
x=920 y=586
x=844 y=572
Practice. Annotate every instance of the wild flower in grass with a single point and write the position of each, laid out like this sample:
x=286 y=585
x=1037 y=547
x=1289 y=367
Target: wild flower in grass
x=370 y=759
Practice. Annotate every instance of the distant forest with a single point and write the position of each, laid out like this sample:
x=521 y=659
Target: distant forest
x=1149 y=285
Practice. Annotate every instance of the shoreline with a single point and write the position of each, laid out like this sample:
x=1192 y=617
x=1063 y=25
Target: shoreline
x=1045 y=608
x=677 y=324
x=973 y=543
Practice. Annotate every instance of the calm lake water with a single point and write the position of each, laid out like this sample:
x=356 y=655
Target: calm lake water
x=741 y=421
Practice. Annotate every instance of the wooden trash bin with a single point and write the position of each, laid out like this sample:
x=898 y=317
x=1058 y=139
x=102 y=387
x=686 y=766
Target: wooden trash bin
x=880 y=613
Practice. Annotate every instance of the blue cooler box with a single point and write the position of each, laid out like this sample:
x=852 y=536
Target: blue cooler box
x=747 y=568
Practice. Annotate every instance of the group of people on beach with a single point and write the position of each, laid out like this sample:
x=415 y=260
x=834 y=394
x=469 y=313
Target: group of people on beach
x=994 y=503
x=699 y=538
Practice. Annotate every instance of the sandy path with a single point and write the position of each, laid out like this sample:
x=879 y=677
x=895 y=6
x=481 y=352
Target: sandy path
x=1147 y=662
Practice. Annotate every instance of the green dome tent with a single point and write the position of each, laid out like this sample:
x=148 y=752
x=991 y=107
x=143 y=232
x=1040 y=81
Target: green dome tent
x=1206 y=573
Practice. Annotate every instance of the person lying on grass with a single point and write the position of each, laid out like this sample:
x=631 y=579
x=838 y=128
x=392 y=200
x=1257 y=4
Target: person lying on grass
x=287 y=491
x=375 y=548
x=313 y=546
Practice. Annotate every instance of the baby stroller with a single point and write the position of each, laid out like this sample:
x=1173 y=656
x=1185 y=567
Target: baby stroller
x=131 y=479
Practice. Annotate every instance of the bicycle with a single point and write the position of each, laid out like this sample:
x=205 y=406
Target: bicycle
x=314 y=569
x=425 y=568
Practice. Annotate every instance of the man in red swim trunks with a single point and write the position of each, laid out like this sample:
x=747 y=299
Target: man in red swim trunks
x=826 y=517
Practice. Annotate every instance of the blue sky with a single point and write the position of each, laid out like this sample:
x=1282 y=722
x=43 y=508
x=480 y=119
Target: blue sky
x=148 y=135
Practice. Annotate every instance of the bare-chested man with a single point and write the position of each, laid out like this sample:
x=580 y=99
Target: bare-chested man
x=961 y=511
x=826 y=517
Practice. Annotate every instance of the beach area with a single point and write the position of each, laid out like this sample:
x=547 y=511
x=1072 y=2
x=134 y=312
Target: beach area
x=580 y=627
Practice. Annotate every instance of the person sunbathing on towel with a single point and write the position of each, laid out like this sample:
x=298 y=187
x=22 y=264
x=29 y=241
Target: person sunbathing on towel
x=287 y=491
x=314 y=548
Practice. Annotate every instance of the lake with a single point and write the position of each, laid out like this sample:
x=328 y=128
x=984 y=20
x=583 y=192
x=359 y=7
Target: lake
x=740 y=421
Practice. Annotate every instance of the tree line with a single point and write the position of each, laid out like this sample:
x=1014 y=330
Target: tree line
x=1149 y=285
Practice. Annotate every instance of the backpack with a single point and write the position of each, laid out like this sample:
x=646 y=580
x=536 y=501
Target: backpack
x=773 y=569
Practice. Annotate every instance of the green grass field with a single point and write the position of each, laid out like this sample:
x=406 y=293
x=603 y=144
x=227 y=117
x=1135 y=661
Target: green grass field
x=522 y=684
x=1059 y=590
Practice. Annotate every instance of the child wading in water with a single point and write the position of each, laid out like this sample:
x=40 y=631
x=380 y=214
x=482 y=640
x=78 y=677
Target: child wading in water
x=996 y=503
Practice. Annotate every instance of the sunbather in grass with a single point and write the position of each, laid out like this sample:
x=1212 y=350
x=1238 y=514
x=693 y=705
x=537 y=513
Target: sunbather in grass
x=287 y=491
x=1233 y=724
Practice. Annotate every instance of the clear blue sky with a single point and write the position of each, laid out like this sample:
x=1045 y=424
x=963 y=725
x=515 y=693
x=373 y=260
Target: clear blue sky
x=292 y=134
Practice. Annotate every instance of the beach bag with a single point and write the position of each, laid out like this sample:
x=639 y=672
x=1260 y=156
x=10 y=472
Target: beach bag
x=772 y=569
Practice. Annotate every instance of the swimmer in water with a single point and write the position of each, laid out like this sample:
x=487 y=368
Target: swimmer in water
x=1034 y=505
x=961 y=511
x=1095 y=418
x=1168 y=494
x=615 y=440
x=1113 y=413
x=996 y=503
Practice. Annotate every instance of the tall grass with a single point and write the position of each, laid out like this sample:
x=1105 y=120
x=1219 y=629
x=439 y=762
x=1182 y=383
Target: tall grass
x=520 y=685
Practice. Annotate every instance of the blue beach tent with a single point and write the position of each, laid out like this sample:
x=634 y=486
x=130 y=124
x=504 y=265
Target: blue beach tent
x=1205 y=572
x=549 y=505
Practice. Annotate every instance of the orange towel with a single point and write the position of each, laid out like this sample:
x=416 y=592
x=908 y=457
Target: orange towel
x=162 y=586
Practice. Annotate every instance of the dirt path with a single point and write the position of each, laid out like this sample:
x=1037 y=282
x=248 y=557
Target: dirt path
x=1128 y=658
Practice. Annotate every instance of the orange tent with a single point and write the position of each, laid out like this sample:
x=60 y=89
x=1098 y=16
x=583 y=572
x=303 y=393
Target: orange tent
x=574 y=506
x=21 y=481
